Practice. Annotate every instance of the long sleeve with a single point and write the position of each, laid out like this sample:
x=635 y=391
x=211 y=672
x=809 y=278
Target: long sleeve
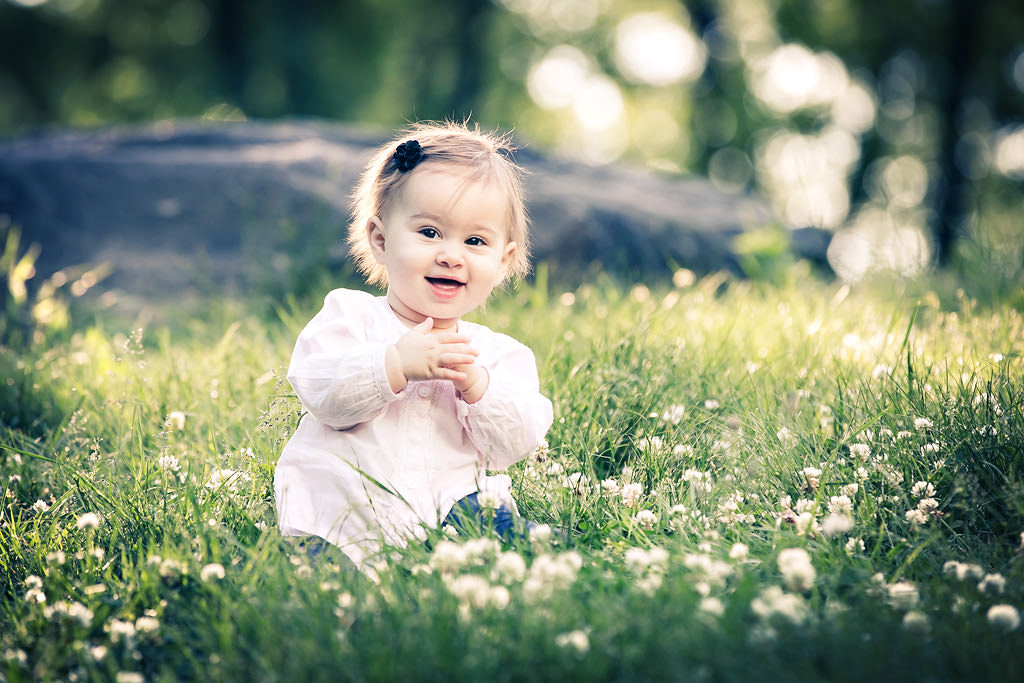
x=337 y=373
x=512 y=417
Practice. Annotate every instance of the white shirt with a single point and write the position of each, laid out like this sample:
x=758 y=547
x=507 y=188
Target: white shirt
x=368 y=465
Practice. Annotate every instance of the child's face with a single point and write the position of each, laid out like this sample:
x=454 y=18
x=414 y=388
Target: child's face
x=444 y=243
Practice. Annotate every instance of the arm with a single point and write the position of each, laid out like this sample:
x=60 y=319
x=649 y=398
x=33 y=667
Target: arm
x=510 y=417
x=337 y=371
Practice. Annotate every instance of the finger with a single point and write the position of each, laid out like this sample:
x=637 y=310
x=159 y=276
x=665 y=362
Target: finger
x=464 y=349
x=452 y=360
x=450 y=374
x=452 y=338
x=425 y=326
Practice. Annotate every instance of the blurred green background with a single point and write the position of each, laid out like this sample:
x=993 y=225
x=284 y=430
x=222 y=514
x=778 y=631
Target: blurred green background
x=897 y=124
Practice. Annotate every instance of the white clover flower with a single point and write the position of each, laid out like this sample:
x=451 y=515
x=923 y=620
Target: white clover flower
x=854 y=545
x=798 y=573
x=654 y=444
x=922 y=489
x=56 y=558
x=862 y=474
x=927 y=505
x=98 y=652
x=785 y=437
x=541 y=533
x=576 y=482
x=806 y=523
x=448 y=556
x=639 y=560
x=75 y=611
x=840 y=504
x=772 y=602
x=1004 y=617
x=739 y=552
x=89 y=520
x=812 y=475
x=510 y=567
x=129 y=677
x=930 y=447
x=34 y=594
x=40 y=505
x=649 y=583
x=228 y=479
x=147 y=624
x=631 y=493
x=80 y=613
x=849 y=490
x=120 y=630
x=915 y=620
x=922 y=423
x=712 y=404
x=992 y=584
x=682 y=450
x=610 y=486
x=861 y=451
x=169 y=463
x=645 y=519
x=674 y=414
x=902 y=595
x=479 y=550
x=488 y=500
x=917 y=517
x=470 y=589
x=714 y=571
x=175 y=420
x=577 y=640
x=171 y=568
x=550 y=573
x=212 y=571
x=804 y=505
x=836 y=524
x=554 y=469
x=712 y=605
x=700 y=481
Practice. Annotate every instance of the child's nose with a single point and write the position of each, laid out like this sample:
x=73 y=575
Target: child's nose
x=450 y=257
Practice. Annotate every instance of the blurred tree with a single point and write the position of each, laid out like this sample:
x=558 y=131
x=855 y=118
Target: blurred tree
x=868 y=117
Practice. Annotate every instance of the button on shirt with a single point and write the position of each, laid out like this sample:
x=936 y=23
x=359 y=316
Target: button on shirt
x=368 y=465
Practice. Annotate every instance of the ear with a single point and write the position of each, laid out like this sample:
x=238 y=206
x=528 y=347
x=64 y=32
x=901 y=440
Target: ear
x=506 y=258
x=375 y=237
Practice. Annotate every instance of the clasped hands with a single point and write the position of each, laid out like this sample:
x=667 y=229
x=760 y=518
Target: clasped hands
x=420 y=355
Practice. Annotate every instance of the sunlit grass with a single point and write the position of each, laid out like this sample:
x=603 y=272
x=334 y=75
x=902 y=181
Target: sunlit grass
x=699 y=432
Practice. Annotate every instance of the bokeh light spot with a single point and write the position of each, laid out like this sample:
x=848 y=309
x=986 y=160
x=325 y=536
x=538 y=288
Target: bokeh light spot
x=654 y=49
x=554 y=81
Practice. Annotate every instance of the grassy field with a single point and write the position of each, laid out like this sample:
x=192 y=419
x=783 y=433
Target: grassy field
x=793 y=482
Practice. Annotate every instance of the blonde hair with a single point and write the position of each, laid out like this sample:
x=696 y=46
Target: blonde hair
x=487 y=156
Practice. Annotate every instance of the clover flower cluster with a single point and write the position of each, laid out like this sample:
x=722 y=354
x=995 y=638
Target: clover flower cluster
x=478 y=573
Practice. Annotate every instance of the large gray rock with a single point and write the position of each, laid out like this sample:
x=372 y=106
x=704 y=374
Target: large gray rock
x=237 y=204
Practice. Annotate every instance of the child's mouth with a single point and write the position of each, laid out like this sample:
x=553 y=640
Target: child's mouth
x=445 y=283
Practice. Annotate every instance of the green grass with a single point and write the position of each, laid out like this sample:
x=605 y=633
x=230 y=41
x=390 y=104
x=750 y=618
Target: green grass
x=706 y=405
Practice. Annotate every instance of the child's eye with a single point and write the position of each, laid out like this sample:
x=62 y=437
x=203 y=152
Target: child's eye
x=476 y=242
x=429 y=233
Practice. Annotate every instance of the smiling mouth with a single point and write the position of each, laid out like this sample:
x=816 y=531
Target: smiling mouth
x=445 y=282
